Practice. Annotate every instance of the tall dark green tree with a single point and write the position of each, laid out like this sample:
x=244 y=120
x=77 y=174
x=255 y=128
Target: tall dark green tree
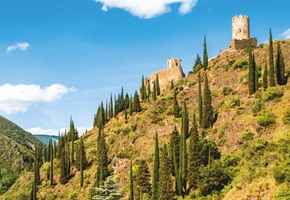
x=271 y=61
x=176 y=109
x=200 y=105
x=194 y=157
x=155 y=178
x=256 y=68
x=102 y=159
x=142 y=180
x=165 y=191
x=157 y=85
x=205 y=56
x=136 y=103
x=182 y=176
x=251 y=82
x=171 y=85
x=143 y=90
x=208 y=119
x=99 y=120
x=51 y=164
x=111 y=111
x=154 y=91
x=174 y=151
x=280 y=67
x=82 y=157
x=148 y=91
x=131 y=183
x=197 y=64
x=265 y=77
x=64 y=173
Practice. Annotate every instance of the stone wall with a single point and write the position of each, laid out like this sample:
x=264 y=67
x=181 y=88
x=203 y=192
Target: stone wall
x=173 y=73
x=243 y=44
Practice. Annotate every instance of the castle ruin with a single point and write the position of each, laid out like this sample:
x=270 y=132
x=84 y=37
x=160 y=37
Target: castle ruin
x=241 y=33
x=173 y=73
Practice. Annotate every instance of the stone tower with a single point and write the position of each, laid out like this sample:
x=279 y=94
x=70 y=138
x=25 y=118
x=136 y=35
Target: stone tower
x=241 y=27
x=241 y=33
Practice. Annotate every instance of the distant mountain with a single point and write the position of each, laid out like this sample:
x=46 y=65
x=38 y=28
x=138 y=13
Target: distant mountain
x=45 y=138
x=17 y=134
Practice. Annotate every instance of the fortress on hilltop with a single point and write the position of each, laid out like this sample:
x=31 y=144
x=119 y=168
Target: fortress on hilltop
x=173 y=73
x=241 y=33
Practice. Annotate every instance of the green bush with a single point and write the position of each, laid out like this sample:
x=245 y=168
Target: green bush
x=266 y=118
x=126 y=131
x=248 y=136
x=282 y=172
x=257 y=107
x=240 y=64
x=272 y=93
x=286 y=117
x=231 y=102
x=227 y=91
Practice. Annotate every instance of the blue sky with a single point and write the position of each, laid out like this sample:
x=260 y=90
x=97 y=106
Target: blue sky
x=63 y=57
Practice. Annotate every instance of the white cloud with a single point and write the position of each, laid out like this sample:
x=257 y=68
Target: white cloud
x=20 y=45
x=18 y=98
x=37 y=130
x=147 y=8
x=286 y=34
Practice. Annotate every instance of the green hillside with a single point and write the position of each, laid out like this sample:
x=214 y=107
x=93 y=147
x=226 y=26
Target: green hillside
x=17 y=134
x=245 y=152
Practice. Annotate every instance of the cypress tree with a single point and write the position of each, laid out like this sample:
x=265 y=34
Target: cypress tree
x=251 y=81
x=111 y=112
x=265 y=77
x=157 y=86
x=183 y=151
x=103 y=160
x=207 y=107
x=136 y=103
x=154 y=91
x=125 y=114
x=205 y=56
x=130 y=107
x=174 y=144
x=143 y=90
x=155 y=178
x=256 y=73
x=45 y=155
x=54 y=149
x=200 y=108
x=148 y=91
x=197 y=64
x=176 y=109
x=81 y=151
x=131 y=183
x=63 y=161
x=51 y=164
x=271 y=62
x=194 y=157
x=280 y=67
x=165 y=181
x=40 y=158
x=36 y=167
x=171 y=85
x=142 y=181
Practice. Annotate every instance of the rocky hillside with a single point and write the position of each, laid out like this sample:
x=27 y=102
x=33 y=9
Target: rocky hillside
x=15 y=152
x=251 y=132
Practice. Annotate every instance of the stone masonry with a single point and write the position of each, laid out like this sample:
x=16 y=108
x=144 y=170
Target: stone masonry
x=173 y=73
x=241 y=33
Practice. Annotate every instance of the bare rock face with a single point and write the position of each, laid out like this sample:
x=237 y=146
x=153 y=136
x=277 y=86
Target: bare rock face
x=173 y=73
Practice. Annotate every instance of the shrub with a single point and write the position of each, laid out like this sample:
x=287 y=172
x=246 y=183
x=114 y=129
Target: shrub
x=126 y=131
x=232 y=102
x=257 y=107
x=248 y=136
x=227 y=91
x=134 y=127
x=266 y=118
x=282 y=172
x=286 y=117
x=272 y=93
x=240 y=64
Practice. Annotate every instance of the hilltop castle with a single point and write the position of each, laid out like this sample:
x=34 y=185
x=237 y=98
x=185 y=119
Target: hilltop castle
x=241 y=33
x=173 y=73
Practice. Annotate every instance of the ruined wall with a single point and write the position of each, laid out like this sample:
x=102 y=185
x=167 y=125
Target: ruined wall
x=243 y=44
x=173 y=73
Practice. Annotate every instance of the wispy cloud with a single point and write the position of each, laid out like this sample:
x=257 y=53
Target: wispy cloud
x=19 y=45
x=147 y=8
x=18 y=98
x=37 y=130
x=286 y=34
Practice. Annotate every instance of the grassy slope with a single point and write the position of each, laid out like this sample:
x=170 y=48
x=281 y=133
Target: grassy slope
x=17 y=134
x=135 y=138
